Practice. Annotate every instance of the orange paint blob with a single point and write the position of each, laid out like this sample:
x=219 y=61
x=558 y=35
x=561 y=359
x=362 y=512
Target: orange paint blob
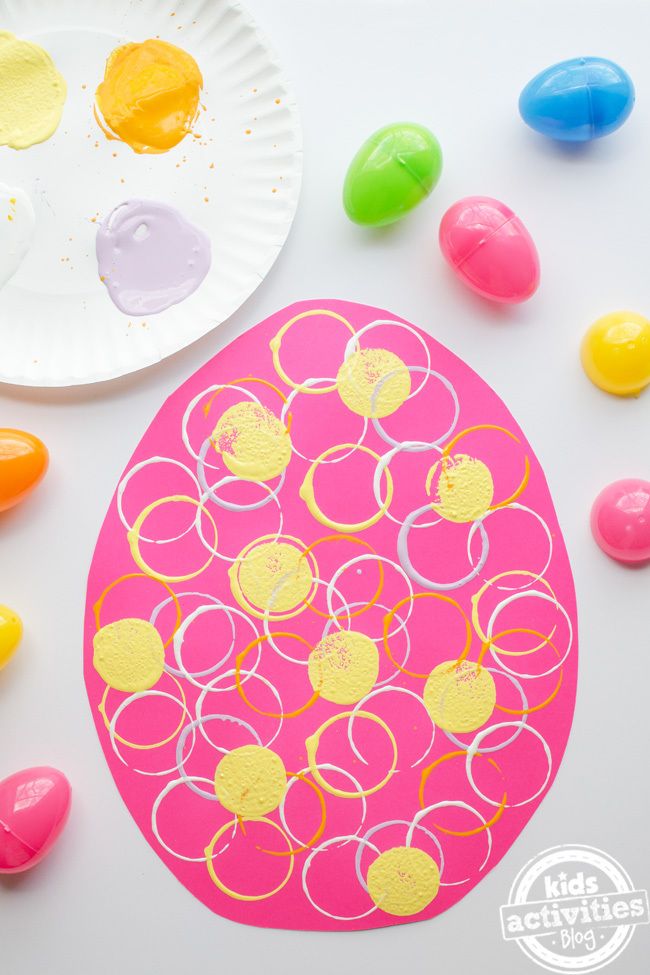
x=149 y=97
x=23 y=463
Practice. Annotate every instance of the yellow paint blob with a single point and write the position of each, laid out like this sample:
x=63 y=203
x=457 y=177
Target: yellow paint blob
x=463 y=488
x=615 y=353
x=250 y=781
x=129 y=655
x=32 y=93
x=11 y=631
x=252 y=441
x=403 y=881
x=359 y=376
x=344 y=666
x=460 y=697
x=149 y=97
x=272 y=577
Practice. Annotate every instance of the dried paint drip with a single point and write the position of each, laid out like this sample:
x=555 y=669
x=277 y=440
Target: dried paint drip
x=32 y=93
x=150 y=257
x=16 y=230
x=149 y=97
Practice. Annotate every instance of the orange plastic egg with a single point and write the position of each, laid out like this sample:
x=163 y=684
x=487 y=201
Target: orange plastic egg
x=23 y=463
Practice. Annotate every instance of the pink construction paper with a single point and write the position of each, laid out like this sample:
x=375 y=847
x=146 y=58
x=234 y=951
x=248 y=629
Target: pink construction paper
x=522 y=536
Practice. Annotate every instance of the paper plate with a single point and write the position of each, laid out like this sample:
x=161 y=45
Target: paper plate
x=239 y=181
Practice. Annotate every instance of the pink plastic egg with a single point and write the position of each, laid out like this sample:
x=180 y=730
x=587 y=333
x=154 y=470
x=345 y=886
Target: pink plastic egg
x=620 y=520
x=34 y=807
x=490 y=250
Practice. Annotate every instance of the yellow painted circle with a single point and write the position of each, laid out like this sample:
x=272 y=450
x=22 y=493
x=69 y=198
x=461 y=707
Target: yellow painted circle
x=276 y=343
x=403 y=881
x=209 y=856
x=308 y=495
x=11 y=631
x=615 y=353
x=460 y=696
x=463 y=488
x=182 y=701
x=252 y=441
x=271 y=578
x=312 y=743
x=129 y=655
x=344 y=666
x=133 y=538
x=361 y=373
x=250 y=781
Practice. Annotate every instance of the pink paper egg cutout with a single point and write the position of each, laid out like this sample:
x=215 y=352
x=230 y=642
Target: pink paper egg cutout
x=330 y=640
x=34 y=808
x=489 y=249
x=620 y=520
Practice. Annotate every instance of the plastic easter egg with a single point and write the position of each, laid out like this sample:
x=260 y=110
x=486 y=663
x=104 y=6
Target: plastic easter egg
x=34 y=807
x=23 y=463
x=620 y=520
x=330 y=641
x=615 y=353
x=11 y=630
x=393 y=171
x=578 y=100
x=490 y=250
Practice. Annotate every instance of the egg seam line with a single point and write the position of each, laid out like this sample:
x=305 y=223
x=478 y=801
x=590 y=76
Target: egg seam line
x=484 y=240
x=403 y=162
x=16 y=836
x=591 y=107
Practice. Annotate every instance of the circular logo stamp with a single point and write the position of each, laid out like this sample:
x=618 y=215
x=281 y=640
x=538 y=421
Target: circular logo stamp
x=573 y=909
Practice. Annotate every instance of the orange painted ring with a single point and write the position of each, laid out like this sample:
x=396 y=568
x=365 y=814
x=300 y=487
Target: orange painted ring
x=238 y=664
x=357 y=541
x=468 y=832
x=519 y=490
x=422 y=595
x=548 y=642
x=97 y=607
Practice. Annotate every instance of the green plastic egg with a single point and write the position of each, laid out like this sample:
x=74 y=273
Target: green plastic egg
x=393 y=171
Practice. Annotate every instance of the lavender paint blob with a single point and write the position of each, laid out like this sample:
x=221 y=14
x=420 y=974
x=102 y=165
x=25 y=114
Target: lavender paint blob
x=150 y=256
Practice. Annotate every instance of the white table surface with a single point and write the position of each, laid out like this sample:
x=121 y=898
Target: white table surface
x=103 y=902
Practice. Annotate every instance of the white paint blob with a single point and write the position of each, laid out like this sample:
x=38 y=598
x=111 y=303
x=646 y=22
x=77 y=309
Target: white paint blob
x=17 y=221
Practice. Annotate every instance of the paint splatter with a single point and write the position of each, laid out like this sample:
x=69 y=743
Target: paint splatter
x=16 y=230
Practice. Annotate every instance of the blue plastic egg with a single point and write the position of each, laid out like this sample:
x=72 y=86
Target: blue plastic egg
x=578 y=100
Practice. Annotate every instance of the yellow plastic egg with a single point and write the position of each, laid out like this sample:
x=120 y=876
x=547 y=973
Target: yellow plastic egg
x=11 y=630
x=615 y=353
